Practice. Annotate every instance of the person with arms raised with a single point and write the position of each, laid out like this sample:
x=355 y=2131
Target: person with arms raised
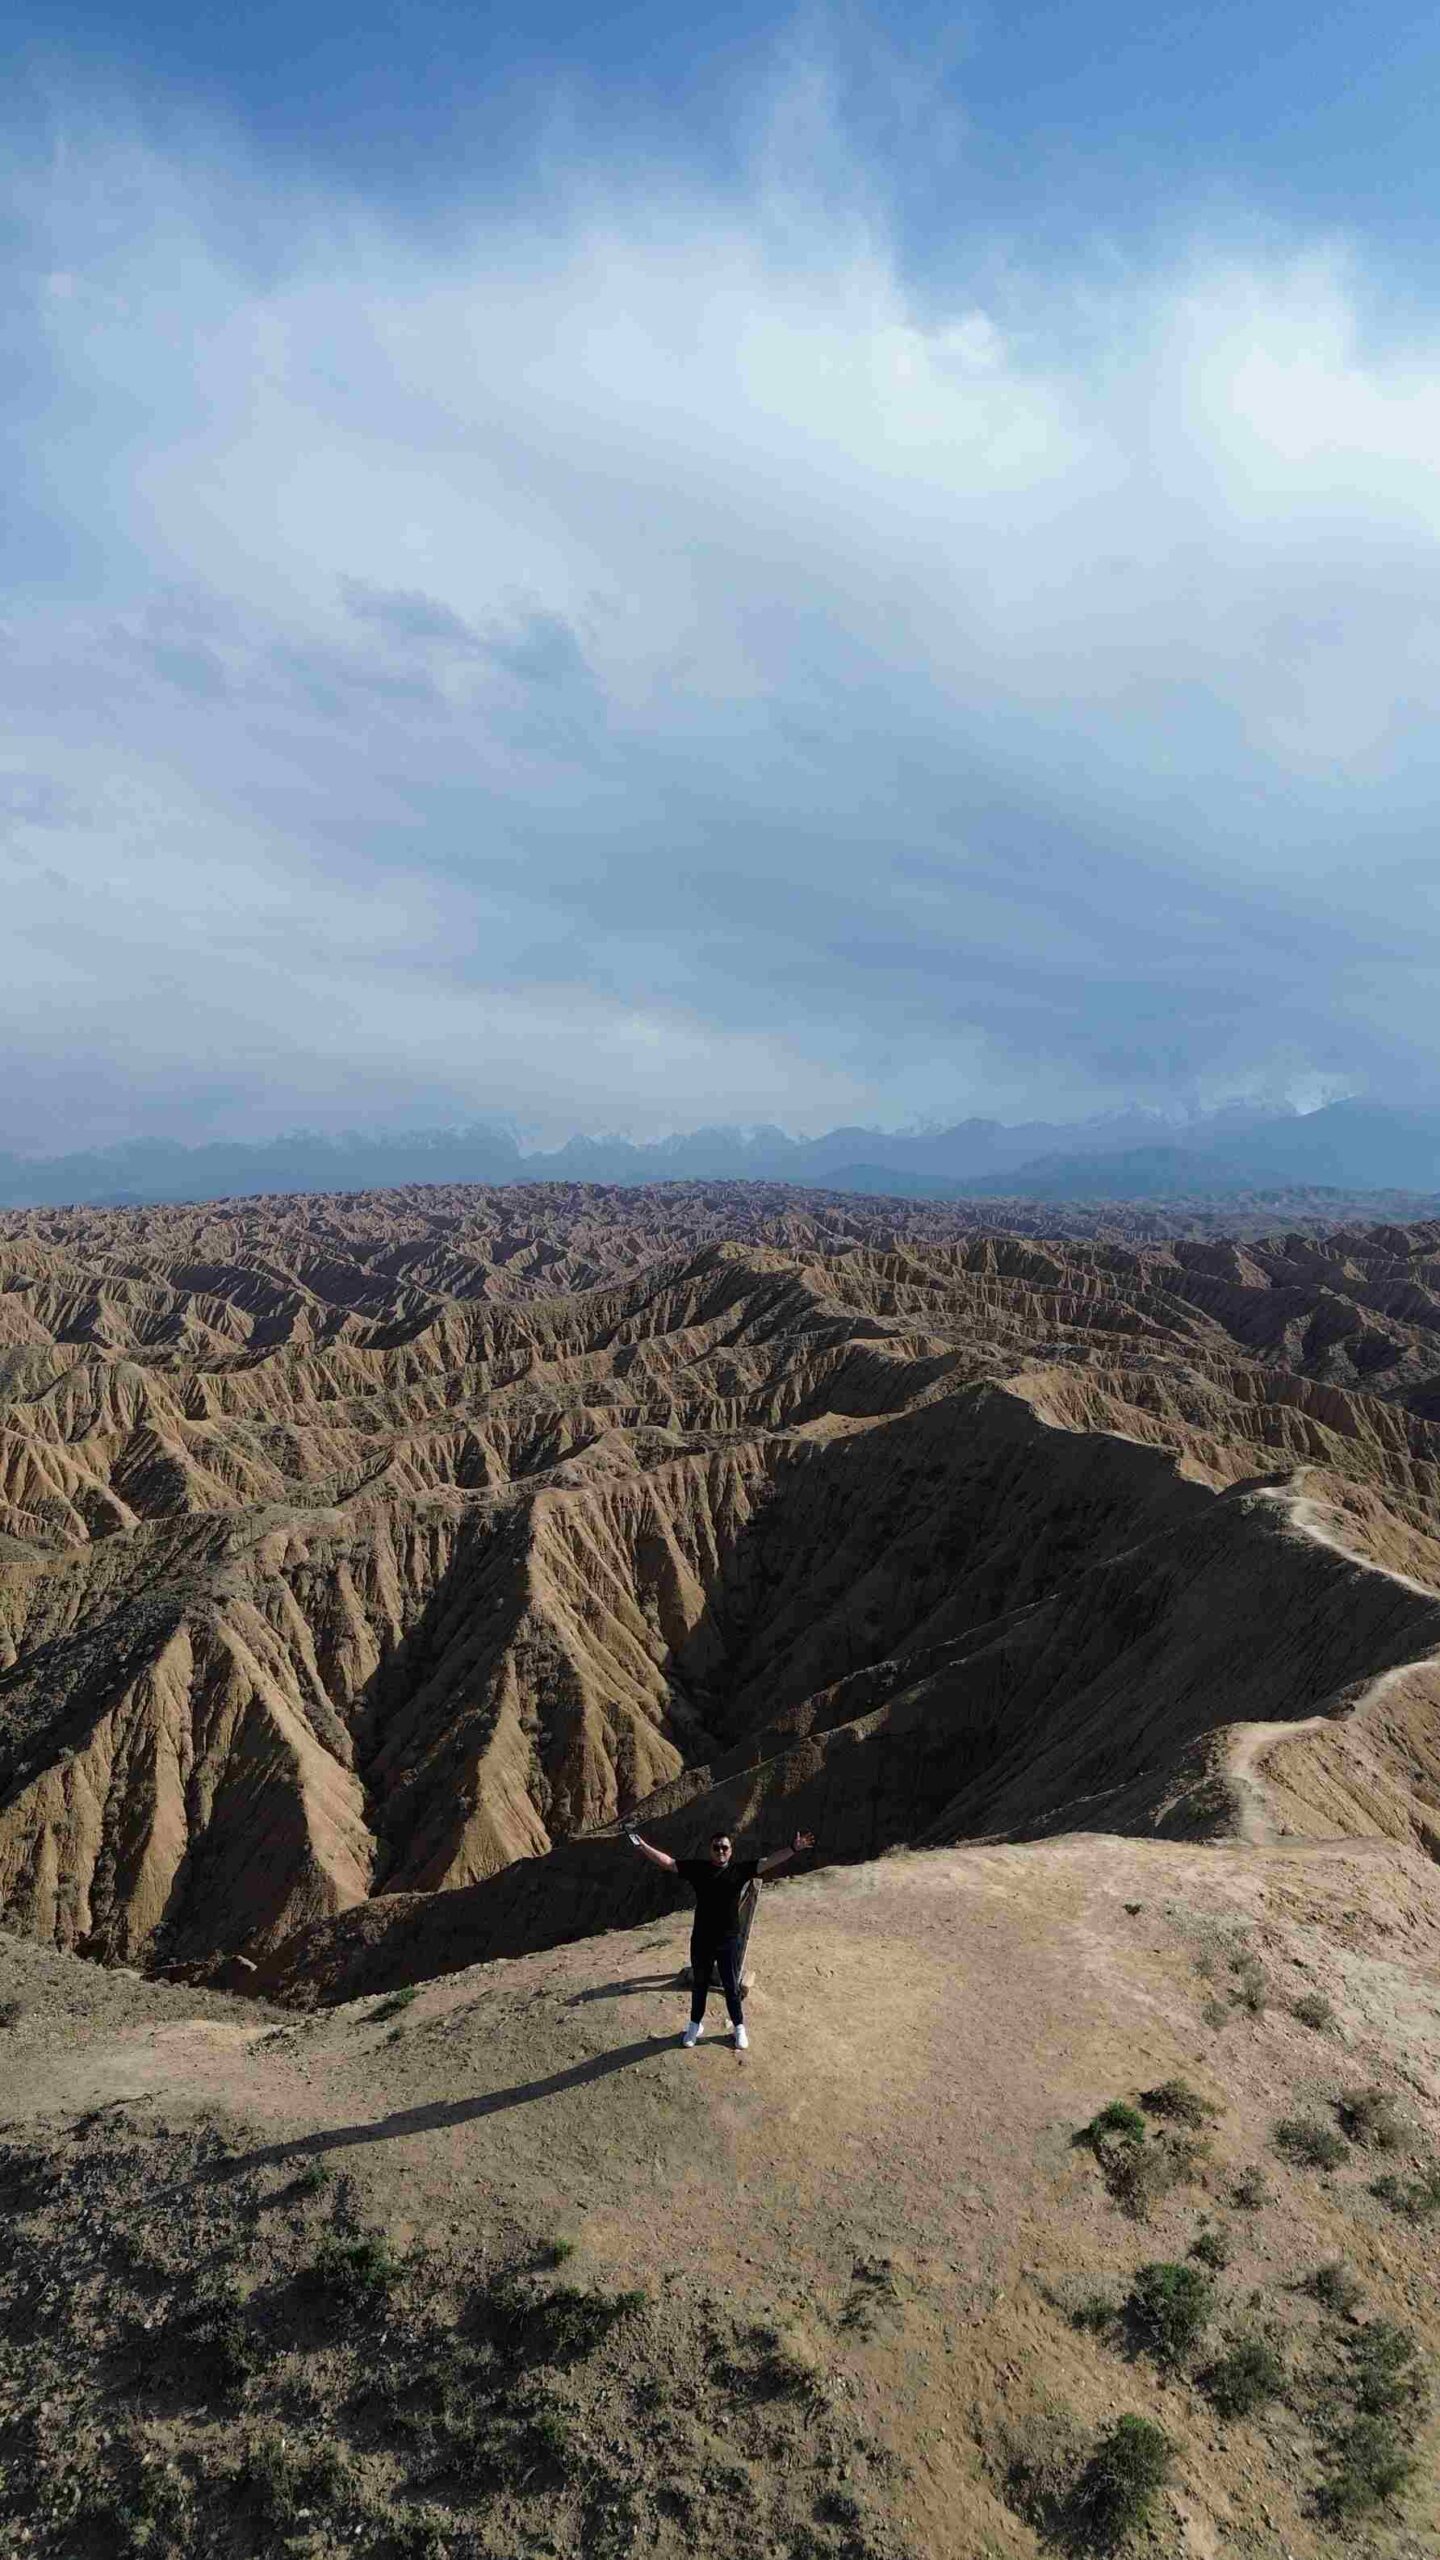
x=719 y=1883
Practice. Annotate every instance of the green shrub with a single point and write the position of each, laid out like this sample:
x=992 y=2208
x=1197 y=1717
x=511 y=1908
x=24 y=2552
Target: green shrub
x=1416 y=2198
x=1117 y=2122
x=1309 y=2142
x=1168 y=2309
x=1371 y=2118
x=1370 y=2456
x=147 y=2514
x=559 y=2327
x=1187 y=2154
x=392 y=2007
x=548 y=2441
x=1095 y=2312
x=1313 y=2010
x=1369 y=2464
x=1176 y=2100
x=285 y=2480
x=352 y=2275
x=423 y=2535
x=1212 y=2247
x=1335 y=2285
x=1248 y=1989
x=1137 y=2171
x=213 y=2347
x=1116 y=2492
x=313 y=2179
x=1386 y=2371
x=1138 y=2178
x=1247 y=2377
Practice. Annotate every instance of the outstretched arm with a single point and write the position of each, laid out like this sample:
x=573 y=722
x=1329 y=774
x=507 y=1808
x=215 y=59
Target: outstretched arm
x=802 y=1841
x=657 y=1857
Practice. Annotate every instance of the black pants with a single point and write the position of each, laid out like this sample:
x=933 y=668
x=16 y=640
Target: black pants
x=706 y=1961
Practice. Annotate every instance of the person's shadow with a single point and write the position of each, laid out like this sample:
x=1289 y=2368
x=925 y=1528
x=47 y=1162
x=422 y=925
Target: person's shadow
x=308 y=2146
x=621 y=1990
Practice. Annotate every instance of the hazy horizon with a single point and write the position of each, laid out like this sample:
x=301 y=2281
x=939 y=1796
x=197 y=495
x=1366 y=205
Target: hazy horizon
x=527 y=1142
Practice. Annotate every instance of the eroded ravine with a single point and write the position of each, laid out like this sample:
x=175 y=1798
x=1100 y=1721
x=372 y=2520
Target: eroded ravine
x=352 y=1567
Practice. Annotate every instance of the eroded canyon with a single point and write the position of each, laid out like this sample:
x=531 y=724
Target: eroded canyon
x=362 y=1560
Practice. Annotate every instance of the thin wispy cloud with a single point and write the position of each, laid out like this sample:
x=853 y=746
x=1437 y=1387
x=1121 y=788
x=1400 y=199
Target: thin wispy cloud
x=648 y=659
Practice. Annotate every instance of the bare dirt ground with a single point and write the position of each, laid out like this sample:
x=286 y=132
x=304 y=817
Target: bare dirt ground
x=875 y=2299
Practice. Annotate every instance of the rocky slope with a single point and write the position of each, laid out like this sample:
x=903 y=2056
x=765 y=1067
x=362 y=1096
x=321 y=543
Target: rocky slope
x=361 y=1561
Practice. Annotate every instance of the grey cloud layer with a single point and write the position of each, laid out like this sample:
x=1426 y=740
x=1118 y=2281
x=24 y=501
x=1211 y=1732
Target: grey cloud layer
x=647 y=674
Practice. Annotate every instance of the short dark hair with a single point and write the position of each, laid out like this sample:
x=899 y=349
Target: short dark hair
x=717 y=1836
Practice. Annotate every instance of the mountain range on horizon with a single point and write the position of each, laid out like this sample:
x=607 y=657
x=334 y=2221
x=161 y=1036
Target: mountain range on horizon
x=1353 y=1145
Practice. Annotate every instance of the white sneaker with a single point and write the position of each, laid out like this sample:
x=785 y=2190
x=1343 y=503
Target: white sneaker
x=693 y=2033
x=742 y=2041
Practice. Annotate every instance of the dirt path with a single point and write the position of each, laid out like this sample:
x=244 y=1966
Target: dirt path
x=1247 y=1745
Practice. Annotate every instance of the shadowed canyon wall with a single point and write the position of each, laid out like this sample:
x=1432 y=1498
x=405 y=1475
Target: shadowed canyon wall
x=358 y=1557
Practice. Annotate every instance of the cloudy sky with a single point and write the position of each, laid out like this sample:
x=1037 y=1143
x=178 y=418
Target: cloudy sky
x=714 y=565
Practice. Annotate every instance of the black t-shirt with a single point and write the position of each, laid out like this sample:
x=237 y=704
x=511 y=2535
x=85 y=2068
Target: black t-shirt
x=717 y=1892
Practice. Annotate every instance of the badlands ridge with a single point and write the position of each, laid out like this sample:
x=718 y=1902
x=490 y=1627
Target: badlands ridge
x=362 y=1560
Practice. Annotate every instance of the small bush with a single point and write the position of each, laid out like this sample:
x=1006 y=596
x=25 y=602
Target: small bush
x=1096 y=2313
x=313 y=2179
x=1246 y=2378
x=352 y=2275
x=219 y=2349
x=285 y=2481
x=1168 y=2309
x=1137 y=2171
x=11 y=2012
x=1386 y=2371
x=423 y=2535
x=1371 y=2118
x=1177 y=2101
x=558 y=2250
x=1212 y=2247
x=1119 y=2122
x=1250 y=2191
x=1336 y=2286
x=1370 y=2457
x=1313 y=2010
x=1370 y=2464
x=160 y=2518
x=1117 y=2489
x=1416 y=2198
x=1248 y=1987
x=560 y=2327
x=1309 y=2142
x=1137 y=2179
x=1187 y=2154
x=397 y=2001
x=548 y=2441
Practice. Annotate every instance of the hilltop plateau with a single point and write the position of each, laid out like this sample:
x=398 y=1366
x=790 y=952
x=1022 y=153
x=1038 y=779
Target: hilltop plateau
x=361 y=1561
x=1074 y=2197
